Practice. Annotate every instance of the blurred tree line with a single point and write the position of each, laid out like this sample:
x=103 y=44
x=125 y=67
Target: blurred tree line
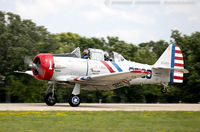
x=20 y=38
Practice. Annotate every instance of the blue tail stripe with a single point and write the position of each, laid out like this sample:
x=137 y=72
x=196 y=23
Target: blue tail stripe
x=117 y=66
x=172 y=63
x=87 y=68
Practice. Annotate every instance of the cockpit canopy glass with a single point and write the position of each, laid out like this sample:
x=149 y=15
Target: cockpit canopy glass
x=94 y=54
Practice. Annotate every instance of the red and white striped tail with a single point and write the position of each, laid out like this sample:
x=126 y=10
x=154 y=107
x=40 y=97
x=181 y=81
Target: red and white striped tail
x=176 y=63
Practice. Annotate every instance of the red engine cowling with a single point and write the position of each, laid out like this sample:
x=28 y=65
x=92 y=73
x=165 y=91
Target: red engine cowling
x=44 y=66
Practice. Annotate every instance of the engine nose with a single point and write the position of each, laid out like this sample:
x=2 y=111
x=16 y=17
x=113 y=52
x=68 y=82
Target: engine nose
x=44 y=66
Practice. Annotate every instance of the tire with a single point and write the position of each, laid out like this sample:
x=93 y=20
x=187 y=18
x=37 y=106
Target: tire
x=163 y=90
x=74 y=100
x=49 y=100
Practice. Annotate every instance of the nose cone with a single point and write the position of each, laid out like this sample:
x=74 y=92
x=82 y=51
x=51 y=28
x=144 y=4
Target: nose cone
x=44 y=66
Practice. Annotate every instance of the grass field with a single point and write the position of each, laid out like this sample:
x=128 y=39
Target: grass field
x=101 y=121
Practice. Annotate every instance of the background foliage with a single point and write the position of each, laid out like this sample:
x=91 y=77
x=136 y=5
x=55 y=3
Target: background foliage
x=20 y=38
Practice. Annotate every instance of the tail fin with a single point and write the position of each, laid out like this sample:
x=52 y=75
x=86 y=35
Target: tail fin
x=172 y=59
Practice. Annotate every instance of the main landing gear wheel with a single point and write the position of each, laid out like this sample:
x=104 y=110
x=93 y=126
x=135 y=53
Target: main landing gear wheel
x=50 y=99
x=74 y=100
x=163 y=90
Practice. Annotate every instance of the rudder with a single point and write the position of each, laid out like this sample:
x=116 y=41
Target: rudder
x=172 y=58
x=177 y=63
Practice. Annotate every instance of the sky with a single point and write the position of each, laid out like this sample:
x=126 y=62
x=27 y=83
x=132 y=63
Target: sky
x=134 y=21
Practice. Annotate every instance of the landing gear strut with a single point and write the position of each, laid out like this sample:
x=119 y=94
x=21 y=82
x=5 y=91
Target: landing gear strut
x=74 y=99
x=164 y=89
x=50 y=97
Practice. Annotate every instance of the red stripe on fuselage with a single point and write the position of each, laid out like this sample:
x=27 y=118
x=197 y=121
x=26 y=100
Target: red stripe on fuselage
x=76 y=79
x=108 y=67
x=125 y=82
x=141 y=71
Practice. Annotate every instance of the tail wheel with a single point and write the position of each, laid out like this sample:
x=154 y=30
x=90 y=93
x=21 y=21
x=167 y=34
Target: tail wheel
x=50 y=99
x=163 y=90
x=74 y=100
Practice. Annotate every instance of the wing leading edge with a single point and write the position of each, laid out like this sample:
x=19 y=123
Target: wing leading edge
x=108 y=80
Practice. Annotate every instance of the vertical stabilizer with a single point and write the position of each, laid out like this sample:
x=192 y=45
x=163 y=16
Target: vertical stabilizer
x=172 y=58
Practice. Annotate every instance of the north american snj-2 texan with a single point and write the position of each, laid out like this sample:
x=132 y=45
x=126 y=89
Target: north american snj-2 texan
x=97 y=74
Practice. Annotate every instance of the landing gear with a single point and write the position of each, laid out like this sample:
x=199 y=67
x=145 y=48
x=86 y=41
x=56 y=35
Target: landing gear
x=50 y=97
x=74 y=99
x=164 y=89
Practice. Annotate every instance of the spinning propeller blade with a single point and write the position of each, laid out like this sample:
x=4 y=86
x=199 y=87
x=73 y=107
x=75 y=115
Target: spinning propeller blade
x=36 y=66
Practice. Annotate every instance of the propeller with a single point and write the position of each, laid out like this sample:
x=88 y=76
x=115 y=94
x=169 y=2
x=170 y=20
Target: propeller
x=30 y=63
x=35 y=65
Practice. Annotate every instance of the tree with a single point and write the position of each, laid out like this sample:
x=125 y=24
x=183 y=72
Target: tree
x=190 y=46
x=20 y=38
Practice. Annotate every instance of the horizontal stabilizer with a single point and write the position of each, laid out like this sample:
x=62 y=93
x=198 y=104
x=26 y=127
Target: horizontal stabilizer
x=174 y=69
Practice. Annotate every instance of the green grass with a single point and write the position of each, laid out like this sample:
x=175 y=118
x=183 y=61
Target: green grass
x=102 y=121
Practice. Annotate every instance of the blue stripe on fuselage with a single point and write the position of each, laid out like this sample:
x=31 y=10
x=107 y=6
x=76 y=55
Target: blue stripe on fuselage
x=172 y=63
x=117 y=66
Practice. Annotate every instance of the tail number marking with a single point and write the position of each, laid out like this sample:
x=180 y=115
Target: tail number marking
x=148 y=70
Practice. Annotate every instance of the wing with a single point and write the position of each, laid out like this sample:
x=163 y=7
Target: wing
x=109 y=79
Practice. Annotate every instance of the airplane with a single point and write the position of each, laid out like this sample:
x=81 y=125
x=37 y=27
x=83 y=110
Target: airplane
x=96 y=74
